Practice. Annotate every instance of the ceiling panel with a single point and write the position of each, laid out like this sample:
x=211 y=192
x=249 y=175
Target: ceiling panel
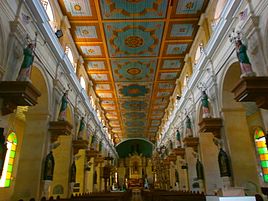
x=134 y=51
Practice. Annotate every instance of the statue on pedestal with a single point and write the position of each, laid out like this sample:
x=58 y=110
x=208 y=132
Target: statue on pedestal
x=178 y=138
x=63 y=107
x=73 y=173
x=189 y=132
x=93 y=139
x=245 y=65
x=100 y=146
x=81 y=129
x=25 y=70
x=199 y=170
x=170 y=145
x=49 y=167
x=225 y=170
x=205 y=105
x=177 y=176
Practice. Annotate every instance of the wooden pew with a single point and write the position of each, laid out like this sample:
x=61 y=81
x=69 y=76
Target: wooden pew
x=161 y=195
x=100 y=196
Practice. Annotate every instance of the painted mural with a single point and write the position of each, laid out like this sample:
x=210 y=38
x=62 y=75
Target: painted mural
x=121 y=9
x=133 y=52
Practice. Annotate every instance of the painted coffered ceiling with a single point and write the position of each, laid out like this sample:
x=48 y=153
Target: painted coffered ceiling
x=134 y=51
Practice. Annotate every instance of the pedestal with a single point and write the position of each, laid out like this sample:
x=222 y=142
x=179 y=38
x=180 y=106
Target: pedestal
x=201 y=185
x=191 y=142
x=71 y=188
x=58 y=128
x=252 y=89
x=46 y=192
x=172 y=157
x=17 y=93
x=179 y=152
x=212 y=125
x=79 y=144
x=226 y=182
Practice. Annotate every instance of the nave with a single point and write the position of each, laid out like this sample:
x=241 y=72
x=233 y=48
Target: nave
x=99 y=98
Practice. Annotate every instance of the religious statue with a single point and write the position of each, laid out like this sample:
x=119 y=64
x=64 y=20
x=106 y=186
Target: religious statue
x=3 y=150
x=49 y=167
x=81 y=129
x=177 y=176
x=225 y=170
x=92 y=141
x=63 y=107
x=146 y=183
x=100 y=146
x=25 y=70
x=73 y=173
x=170 y=145
x=189 y=132
x=95 y=176
x=245 y=65
x=199 y=170
x=205 y=106
x=178 y=138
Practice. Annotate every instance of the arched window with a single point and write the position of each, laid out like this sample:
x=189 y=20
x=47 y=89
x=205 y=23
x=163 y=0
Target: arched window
x=12 y=142
x=198 y=53
x=218 y=10
x=83 y=82
x=186 y=79
x=262 y=152
x=69 y=54
x=49 y=12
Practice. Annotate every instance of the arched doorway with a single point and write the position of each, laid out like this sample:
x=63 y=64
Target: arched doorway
x=31 y=125
x=237 y=137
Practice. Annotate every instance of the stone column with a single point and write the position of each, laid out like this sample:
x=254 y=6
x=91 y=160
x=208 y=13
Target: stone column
x=209 y=155
x=30 y=163
x=183 y=175
x=63 y=161
x=243 y=158
x=172 y=177
x=98 y=169
x=90 y=184
x=80 y=170
x=191 y=161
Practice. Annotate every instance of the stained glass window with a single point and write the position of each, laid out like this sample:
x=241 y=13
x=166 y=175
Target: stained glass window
x=12 y=142
x=262 y=152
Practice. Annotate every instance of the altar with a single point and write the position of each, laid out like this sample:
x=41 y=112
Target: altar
x=135 y=183
x=135 y=172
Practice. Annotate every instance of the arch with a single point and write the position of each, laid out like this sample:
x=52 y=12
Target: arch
x=70 y=55
x=83 y=83
x=49 y=10
x=58 y=189
x=219 y=7
x=134 y=145
x=237 y=138
x=34 y=133
x=226 y=69
x=198 y=52
x=40 y=79
x=12 y=142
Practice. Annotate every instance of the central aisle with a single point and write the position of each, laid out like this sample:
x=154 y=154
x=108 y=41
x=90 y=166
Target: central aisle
x=136 y=195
